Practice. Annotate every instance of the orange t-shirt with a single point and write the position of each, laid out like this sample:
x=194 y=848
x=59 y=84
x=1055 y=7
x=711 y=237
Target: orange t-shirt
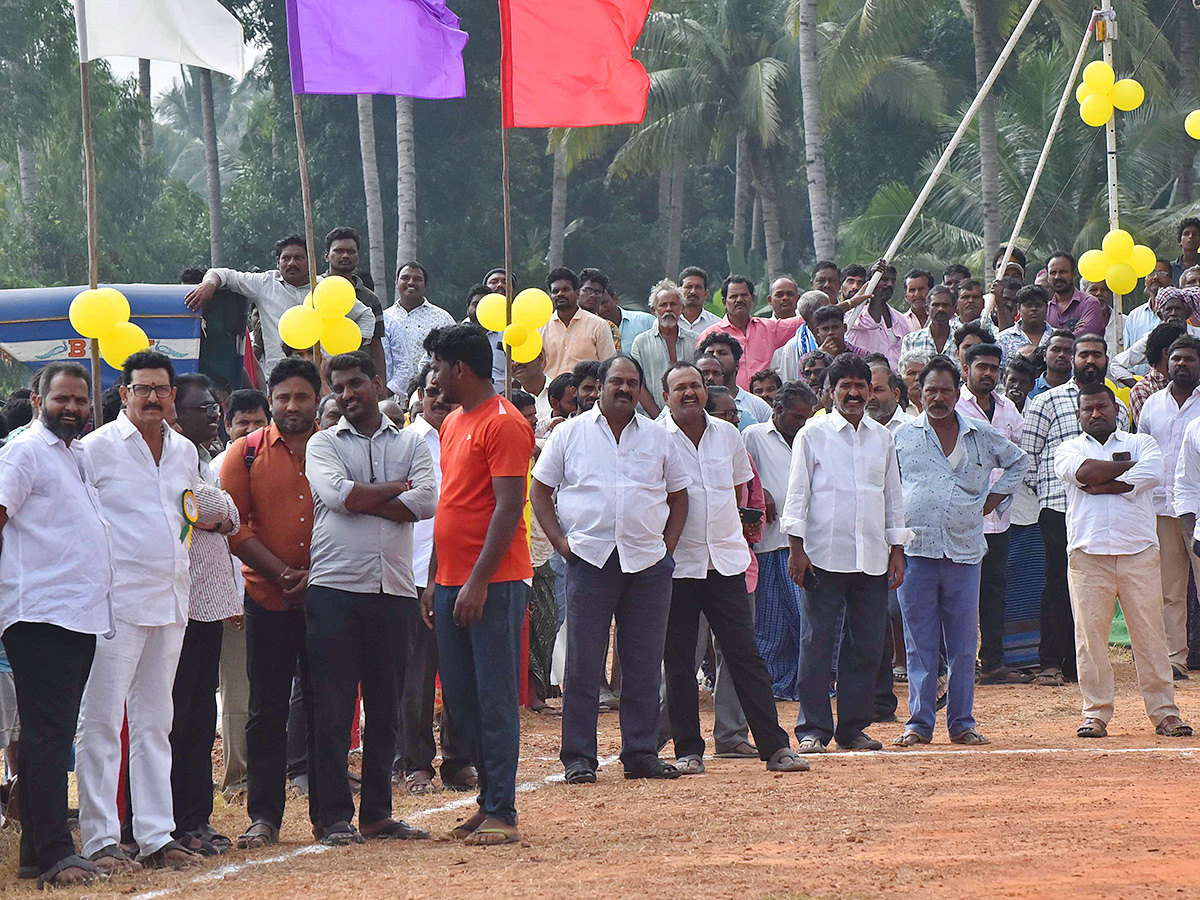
x=491 y=441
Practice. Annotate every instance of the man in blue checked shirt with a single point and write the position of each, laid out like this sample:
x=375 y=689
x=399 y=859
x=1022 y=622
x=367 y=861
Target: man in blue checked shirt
x=946 y=461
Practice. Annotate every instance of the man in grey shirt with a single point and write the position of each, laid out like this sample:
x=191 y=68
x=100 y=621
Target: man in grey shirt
x=274 y=293
x=370 y=482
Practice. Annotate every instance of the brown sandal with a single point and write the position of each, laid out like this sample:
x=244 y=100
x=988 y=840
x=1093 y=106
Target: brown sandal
x=1173 y=726
x=1092 y=728
x=260 y=834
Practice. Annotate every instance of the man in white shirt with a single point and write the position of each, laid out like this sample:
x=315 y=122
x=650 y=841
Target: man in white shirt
x=415 y=746
x=777 y=598
x=711 y=559
x=621 y=506
x=143 y=472
x=1112 y=543
x=407 y=322
x=274 y=293
x=531 y=378
x=1166 y=416
x=844 y=517
x=370 y=482
x=693 y=283
x=55 y=576
x=979 y=399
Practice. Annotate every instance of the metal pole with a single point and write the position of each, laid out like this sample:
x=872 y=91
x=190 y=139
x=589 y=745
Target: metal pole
x=954 y=141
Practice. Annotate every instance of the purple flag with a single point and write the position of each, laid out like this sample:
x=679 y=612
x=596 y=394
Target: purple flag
x=408 y=47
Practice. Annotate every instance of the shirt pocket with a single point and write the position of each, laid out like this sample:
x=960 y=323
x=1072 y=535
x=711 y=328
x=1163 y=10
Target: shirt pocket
x=644 y=468
x=876 y=470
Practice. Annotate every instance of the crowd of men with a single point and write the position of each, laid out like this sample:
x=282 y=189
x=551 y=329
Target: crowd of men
x=808 y=504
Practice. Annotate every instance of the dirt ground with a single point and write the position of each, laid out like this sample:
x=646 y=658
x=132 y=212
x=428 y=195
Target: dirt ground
x=1038 y=814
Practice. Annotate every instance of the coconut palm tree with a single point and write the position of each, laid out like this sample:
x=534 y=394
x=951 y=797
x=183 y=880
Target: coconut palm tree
x=406 y=182
x=212 y=166
x=374 y=196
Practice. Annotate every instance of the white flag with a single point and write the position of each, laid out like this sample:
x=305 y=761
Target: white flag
x=190 y=32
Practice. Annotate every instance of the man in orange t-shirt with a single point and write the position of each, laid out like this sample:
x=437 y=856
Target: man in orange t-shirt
x=478 y=588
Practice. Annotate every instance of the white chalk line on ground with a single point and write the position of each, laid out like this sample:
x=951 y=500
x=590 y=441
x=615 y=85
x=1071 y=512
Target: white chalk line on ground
x=220 y=872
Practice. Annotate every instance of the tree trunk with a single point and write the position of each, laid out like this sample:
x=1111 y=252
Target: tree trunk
x=406 y=183
x=772 y=231
x=741 y=191
x=824 y=235
x=558 y=209
x=756 y=224
x=672 y=250
x=664 y=207
x=27 y=168
x=212 y=166
x=1187 y=87
x=146 y=113
x=374 y=196
x=984 y=30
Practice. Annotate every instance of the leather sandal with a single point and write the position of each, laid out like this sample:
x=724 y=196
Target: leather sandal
x=1092 y=728
x=1173 y=726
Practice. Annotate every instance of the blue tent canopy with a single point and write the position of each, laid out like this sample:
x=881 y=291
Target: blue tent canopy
x=35 y=329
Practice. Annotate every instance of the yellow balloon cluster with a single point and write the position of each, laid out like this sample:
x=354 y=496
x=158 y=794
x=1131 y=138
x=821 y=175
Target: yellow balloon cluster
x=322 y=318
x=1192 y=124
x=103 y=315
x=1100 y=93
x=1120 y=262
x=531 y=310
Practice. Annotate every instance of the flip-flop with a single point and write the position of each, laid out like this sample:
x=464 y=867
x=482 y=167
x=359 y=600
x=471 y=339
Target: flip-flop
x=1092 y=728
x=397 y=830
x=910 y=739
x=970 y=738
x=160 y=860
x=483 y=837
x=113 y=859
x=786 y=759
x=50 y=878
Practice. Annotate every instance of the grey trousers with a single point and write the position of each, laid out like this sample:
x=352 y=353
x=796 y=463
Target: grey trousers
x=640 y=602
x=729 y=722
x=235 y=708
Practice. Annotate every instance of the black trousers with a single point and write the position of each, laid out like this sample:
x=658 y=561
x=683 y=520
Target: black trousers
x=1057 y=647
x=415 y=746
x=50 y=669
x=275 y=645
x=354 y=638
x=722 y=599
x=993 y=589
x=297 y=729
x=194 y=725
x=886 y=703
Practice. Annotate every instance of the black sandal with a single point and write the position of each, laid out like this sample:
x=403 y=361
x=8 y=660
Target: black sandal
x=159 y=859
x=397 y=830
x=341 y=834
x=51 y=876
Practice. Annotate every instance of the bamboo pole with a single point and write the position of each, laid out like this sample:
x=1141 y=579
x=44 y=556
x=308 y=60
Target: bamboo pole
x=1041 y=163
x=93 y=241
x=508 y=278
x=306 y=200
x=984 y=89
x=1106 y=32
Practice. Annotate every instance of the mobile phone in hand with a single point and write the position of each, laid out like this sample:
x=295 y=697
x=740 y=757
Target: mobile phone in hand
x=811 y=581
x=750 y=515
x=1123 y=456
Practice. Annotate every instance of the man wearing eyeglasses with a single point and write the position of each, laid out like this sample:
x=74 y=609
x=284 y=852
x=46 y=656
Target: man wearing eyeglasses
x=143 y=472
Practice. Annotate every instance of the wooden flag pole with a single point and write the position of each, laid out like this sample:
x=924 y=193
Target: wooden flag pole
x=93 y=242
x=306 y=200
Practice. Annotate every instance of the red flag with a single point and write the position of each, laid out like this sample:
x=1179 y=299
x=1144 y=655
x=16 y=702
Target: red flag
x=569 y=63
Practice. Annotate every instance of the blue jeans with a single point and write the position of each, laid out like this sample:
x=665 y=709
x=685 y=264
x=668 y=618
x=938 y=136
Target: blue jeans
x=480 y=682
x=940 y=599
x=862 y=599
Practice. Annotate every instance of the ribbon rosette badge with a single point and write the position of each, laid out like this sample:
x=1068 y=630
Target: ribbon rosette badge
x=191 y=515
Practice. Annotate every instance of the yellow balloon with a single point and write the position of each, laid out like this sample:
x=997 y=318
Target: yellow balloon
x=532 y=308
x=121 y=342
x=1120 y=278
x=340 y=336
x=94 y=313
x=492 y=312
x=1192 y=124
x=1127 y=94
x=308 y=300
x=1142 y=260
x=1096 y=109
x=1099 y=77
x=1082 y=92
x=515 y=335
x=334 y=297
x=1093 y=265
x=300 y=327
x=529 y=349
x=1118 y=247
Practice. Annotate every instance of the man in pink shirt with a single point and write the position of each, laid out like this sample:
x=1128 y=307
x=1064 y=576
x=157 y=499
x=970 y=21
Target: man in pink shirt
x=874 y=326
x=1070 y=307
x=759 y=337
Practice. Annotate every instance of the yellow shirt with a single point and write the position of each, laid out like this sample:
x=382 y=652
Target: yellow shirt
x=586 y=336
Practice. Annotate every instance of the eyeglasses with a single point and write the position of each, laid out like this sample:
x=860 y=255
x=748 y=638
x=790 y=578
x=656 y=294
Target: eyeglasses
x=161 y=391
x=433 y=391
x=207 y=408
x=592 y=291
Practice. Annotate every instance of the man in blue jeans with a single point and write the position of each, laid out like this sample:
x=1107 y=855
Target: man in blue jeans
x=946 y=463
x=478 y=571
x=622 y=502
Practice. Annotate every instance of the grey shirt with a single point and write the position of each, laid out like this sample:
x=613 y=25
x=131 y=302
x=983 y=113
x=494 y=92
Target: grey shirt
x=356 y=551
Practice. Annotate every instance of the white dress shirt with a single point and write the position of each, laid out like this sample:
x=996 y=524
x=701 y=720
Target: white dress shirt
x=703 y=321
x=712 y=536
x=1166 y=421
x=355 y=551
x=844 y=496
x=899 y=417
x=56 y=562
x=610 y=494
x=1187 y=475
x=143 y=505
x=772 y=456
x=1111 y=524
x=423 y=530
x=752 y=409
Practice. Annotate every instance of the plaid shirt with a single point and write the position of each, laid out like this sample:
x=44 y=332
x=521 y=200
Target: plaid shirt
x=1050 y=419
x=1152 y=382
x=922 y=340
x=1013 y=339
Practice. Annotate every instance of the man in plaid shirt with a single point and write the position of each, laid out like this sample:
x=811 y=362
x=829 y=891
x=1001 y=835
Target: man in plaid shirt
x=1050 y=419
